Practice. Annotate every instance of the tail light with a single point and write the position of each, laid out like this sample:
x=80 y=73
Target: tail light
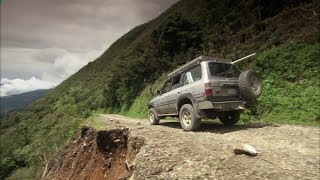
x=208 y=89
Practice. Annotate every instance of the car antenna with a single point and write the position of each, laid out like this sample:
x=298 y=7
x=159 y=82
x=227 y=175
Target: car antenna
x=238 y=60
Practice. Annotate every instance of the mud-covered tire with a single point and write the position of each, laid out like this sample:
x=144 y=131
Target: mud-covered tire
x=249 y=85
x=188 y=118
x=153 y=117
x=230 y=118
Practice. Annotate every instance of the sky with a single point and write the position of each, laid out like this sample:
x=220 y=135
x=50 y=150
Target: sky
x=43 y=42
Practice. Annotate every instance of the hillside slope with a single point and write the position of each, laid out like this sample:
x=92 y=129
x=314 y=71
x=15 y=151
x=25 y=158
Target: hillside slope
x=228 y=29
x=18 y=101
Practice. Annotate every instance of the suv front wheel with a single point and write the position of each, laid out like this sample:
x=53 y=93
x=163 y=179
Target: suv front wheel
x=188 y=118
x=153 y=117
x=230 y=118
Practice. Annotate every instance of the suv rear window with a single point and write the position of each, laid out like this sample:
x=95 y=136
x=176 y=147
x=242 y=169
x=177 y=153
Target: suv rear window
x=223 y=70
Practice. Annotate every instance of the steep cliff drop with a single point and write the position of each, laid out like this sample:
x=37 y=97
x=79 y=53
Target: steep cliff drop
x=107 y=154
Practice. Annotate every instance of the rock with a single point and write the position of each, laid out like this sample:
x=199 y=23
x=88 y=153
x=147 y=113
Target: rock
x=108 y=162
x=138 y=123
x=128 y=166
x=170 y=168
x=249 y=149
x=246 y=149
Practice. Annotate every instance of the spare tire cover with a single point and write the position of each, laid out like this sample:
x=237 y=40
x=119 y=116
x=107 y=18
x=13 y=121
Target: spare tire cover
x=249 y=85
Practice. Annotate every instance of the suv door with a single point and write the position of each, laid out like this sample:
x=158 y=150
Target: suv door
x=162 y=102
x=174 y=94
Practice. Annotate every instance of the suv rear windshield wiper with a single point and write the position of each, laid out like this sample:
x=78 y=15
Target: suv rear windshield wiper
x=223 y=70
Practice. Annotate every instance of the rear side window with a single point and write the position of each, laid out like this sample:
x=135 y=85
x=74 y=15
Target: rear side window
x=223 y=70
x=192 y=75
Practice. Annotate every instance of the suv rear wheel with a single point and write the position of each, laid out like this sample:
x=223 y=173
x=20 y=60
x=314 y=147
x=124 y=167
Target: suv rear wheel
x=188 y=118
x=153 y=117
x=230 y=118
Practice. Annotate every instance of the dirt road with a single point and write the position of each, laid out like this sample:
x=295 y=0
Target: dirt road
x=285 y=152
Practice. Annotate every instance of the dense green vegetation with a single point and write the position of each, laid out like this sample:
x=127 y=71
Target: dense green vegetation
x=13 y=102
x=284 y=33
x=290 y=85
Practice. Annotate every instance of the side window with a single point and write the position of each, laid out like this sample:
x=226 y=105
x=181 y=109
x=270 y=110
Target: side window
x=192 y=75
x=167 y=87
x=176 y=82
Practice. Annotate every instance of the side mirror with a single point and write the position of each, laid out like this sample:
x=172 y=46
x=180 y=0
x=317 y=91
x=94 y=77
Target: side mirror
x=158 y=92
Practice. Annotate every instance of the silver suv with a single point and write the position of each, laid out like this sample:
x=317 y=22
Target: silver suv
x=205 y=87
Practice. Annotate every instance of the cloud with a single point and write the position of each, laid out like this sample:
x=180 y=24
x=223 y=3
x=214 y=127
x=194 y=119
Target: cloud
x=17 y=86
x=51 y=40
x=56 y=65
x=79 y=24
x=66 y=63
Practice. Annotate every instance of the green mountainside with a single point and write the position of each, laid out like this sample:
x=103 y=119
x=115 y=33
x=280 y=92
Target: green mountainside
x=19 y=101
x=284 y=33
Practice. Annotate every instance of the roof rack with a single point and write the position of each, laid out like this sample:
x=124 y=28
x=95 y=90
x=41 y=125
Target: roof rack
x=194 y=62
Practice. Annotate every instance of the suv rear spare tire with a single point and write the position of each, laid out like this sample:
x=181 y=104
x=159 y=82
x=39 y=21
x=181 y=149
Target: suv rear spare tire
x=153 y=117
x=188 y=118
x=249 y=85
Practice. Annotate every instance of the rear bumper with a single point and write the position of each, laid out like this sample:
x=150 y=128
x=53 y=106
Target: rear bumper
x=222 y=106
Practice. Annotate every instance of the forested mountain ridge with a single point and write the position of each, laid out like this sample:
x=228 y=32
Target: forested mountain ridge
x=284 y=33
x=18 y=101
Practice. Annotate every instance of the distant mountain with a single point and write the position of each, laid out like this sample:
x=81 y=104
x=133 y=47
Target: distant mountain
x=18 y=101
